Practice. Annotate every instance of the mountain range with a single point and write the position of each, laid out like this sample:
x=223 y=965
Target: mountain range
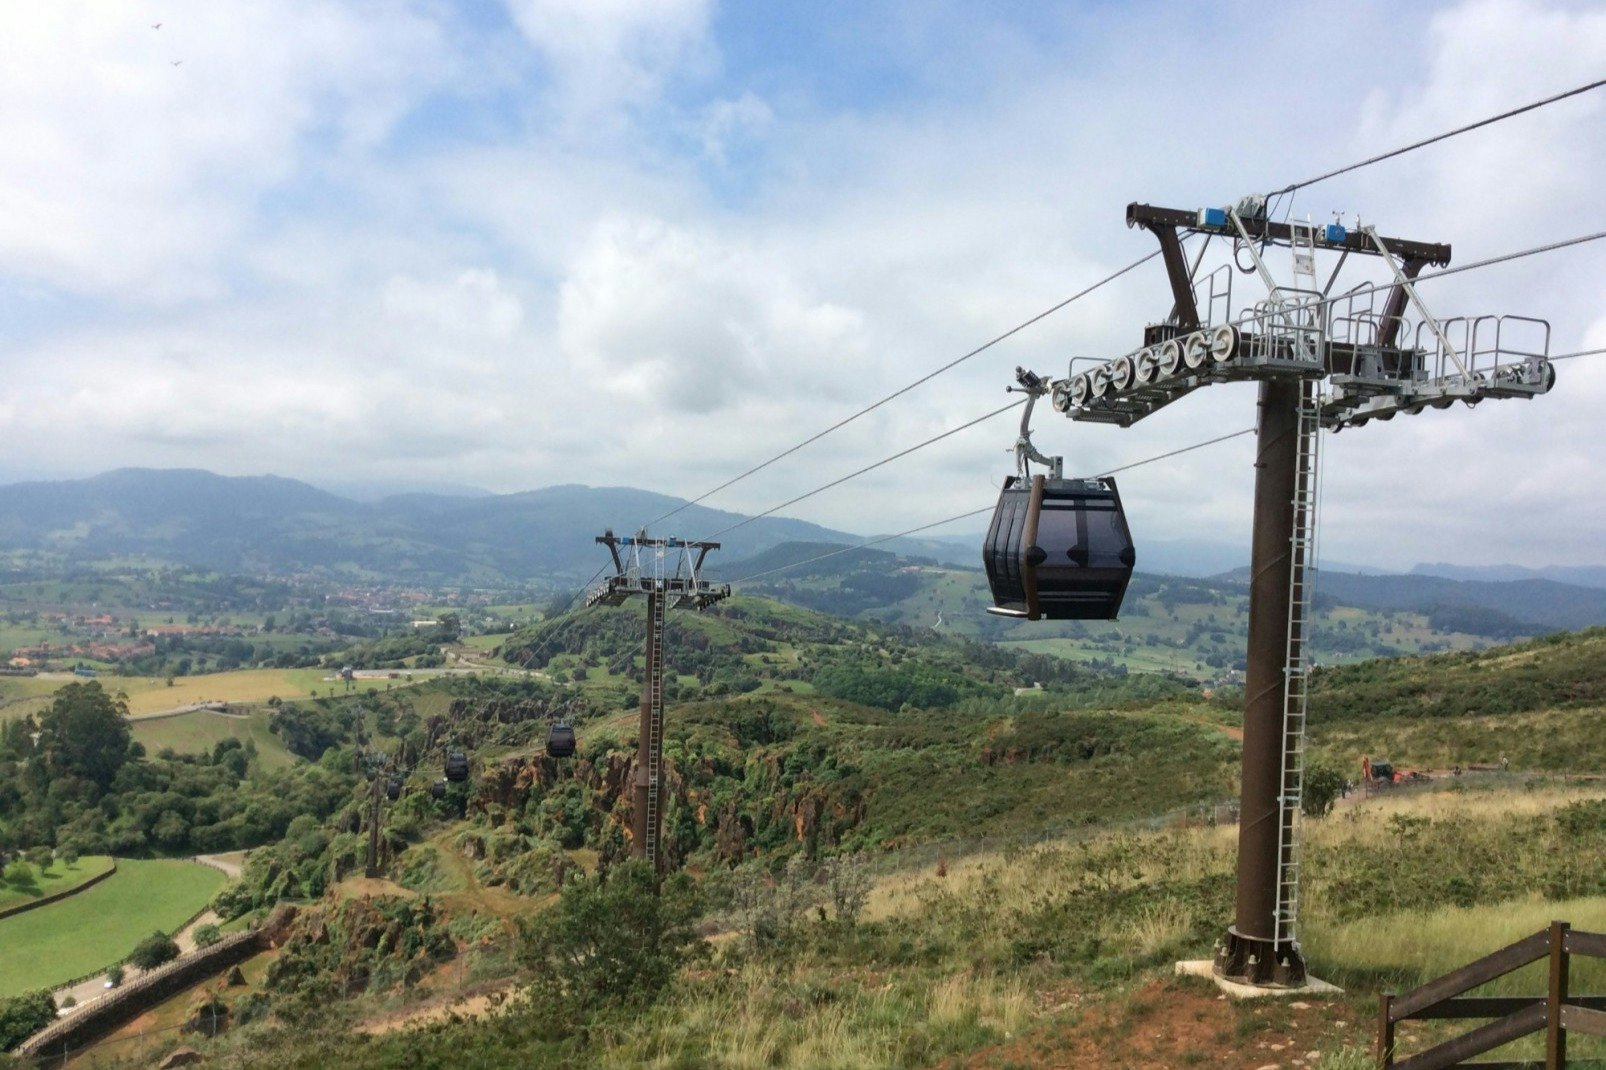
x=270 y=525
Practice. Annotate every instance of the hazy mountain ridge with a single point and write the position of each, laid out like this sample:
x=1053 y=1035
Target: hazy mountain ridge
x=272 y=525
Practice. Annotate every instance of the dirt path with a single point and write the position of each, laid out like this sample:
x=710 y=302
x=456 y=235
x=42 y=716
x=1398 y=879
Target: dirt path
x=1184 y=1022
x=230 y=864
x=472 y=1004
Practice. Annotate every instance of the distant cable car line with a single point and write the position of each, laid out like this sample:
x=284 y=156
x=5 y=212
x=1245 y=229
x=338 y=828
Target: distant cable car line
x=918 y=382
x=1369 y=161
x=870 y=467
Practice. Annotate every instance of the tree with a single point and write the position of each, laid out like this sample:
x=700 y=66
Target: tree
x=1323 y=786
x=23 y=1016
x=154 y=950
x=84 y=733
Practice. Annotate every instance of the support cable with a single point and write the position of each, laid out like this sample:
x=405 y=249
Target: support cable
x=1580 y=353
x=1290 y=188
x=1475 y=265
x=918 y=382
x=1446 y=135
x=867 y=468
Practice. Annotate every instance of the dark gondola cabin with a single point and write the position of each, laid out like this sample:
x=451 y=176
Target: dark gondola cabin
x=393 y=789
x=437 y=790
x=456 y=766
x=1058 y=549
x=560 y=740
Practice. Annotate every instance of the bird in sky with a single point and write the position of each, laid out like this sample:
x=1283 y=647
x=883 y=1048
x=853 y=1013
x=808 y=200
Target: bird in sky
x=156 y=26
x=176 y=62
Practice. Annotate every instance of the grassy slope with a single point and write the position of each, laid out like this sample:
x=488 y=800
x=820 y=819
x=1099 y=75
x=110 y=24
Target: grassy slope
x=200 y=731
x=1539 y=704
x=58 y=878
x=90 y=931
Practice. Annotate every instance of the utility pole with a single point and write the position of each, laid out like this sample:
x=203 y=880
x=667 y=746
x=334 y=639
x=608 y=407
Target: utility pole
x=372 y=868
x=664 y=584
x=1321 y=361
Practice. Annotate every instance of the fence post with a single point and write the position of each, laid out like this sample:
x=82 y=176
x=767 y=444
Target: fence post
x=1555 y=1035
x=1385 y=1031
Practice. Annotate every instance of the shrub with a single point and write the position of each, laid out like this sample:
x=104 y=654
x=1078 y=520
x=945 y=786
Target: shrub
x=115 y=975
x=207 y=935
x=611 y=940
x=19 y=874
x=154 y=950
x=1323 y=786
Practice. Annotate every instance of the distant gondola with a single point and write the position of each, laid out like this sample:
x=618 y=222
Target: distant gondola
x=437 y=790
x=393 y=788
x=456 y=766
x=1058 y=549
x=560 y=740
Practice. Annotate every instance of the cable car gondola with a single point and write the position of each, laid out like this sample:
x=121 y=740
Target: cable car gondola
x=1057 y=548
x=437 y=790
x=560 y=740
x=456 y=766
x=393 y=788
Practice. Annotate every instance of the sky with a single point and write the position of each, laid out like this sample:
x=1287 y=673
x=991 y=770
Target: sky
x=515 y=244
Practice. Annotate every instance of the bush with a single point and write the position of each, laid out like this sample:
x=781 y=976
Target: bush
x=207 y=935
x=612 y=940
x=1323 y=786
x=115 y=975
x=19 y=874
x=152 y=951
x=23 y=1016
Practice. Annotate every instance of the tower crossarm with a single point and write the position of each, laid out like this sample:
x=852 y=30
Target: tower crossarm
x=1378 y=348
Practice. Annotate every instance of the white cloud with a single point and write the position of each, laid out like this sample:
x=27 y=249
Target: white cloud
x=607 y=54
x=557 y=291
x=126 y=175
x=725 y=121
x=668 y=317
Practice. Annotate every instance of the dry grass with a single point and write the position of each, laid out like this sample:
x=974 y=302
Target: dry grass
x=1421 y=945
x=795 y=1016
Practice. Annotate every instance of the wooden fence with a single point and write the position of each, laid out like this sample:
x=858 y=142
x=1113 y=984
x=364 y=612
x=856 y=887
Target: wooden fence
x=1556 y=1013
x=56 y=897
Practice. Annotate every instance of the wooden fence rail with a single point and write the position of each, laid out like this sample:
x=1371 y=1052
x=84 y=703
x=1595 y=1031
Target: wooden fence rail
x=1556 y=1013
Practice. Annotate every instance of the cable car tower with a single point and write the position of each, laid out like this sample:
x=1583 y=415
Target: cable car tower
x=1323 y=360
x=668 y=573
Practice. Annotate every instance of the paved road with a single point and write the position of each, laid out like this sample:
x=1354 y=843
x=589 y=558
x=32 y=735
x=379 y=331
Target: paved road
x=86 y=992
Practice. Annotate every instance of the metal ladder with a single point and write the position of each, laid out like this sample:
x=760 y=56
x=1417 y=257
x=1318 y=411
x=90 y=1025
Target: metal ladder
x=655 y=721
x=1302 y=578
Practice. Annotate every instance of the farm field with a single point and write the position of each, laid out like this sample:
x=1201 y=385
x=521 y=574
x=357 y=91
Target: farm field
x=91 y=931
x=20 y=696
x=201 y=730
x=58 y=878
